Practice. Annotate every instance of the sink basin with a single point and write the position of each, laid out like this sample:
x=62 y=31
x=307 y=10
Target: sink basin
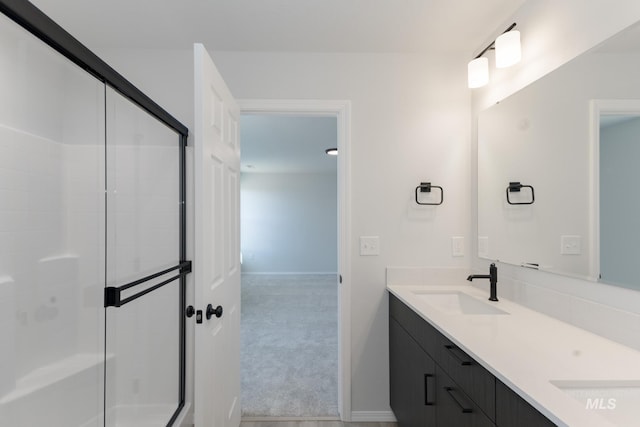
x=456 y=302
x=617 y=401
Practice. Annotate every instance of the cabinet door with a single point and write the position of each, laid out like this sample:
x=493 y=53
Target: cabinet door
x=513 y=410
x=412 y=380
x=455 y=408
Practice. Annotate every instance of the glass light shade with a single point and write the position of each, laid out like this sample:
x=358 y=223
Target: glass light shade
x=478 y=72
x=508 y=50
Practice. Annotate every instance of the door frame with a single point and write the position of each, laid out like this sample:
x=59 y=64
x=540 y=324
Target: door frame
x=597 y=109
x=341 y=109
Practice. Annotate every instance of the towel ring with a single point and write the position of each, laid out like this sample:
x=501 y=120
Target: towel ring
x=515 y=187
x=425 y=187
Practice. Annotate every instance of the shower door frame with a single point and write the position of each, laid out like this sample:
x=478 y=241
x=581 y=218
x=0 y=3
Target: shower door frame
x=44 y=28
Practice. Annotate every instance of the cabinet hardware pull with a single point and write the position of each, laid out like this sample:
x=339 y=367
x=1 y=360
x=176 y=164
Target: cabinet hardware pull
x=452 y=349
x=426 y=390
x=464 y=409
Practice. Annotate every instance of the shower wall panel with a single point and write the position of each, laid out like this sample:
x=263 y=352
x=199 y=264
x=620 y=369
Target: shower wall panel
x=51 y=235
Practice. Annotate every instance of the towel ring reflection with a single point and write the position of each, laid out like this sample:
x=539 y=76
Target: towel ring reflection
x=425 y=187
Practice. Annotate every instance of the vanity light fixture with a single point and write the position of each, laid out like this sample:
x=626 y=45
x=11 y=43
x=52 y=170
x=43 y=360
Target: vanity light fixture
x=508 y=52
x=478 y=72
x=331 y=151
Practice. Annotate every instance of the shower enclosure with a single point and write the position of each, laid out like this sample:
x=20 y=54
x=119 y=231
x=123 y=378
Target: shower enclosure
x=92 y=238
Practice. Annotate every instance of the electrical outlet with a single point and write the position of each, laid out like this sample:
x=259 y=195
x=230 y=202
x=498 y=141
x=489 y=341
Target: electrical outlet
x=457 y=246
x=369 y=245
x=570 y=245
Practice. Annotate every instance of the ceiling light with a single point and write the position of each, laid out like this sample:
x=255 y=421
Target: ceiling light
x=331 y=151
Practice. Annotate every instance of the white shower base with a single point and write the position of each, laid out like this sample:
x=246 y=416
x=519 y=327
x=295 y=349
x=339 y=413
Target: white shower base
x=44 y=396
x=137 y=416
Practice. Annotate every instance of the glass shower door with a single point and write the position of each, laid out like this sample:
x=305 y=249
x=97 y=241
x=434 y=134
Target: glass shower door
x=143 y=267
x=92 y=228
x=52 y=236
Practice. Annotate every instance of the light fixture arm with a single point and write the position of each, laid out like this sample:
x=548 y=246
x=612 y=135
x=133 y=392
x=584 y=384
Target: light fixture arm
x=511 y=27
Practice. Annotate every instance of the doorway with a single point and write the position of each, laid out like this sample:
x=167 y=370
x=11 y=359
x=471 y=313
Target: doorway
x=615 y=126
x=616 y=152
x=293 y=267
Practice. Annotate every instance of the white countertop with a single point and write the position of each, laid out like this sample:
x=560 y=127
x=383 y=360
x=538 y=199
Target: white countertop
x=526 y=350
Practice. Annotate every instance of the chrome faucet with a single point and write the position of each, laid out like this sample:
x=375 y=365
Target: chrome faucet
x=493 y=281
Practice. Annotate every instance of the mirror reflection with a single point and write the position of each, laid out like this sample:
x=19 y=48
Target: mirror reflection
x=571 y=138
x=619 y=199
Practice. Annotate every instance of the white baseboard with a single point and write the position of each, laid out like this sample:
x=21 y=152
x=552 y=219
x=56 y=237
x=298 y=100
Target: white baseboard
x=373 y=416
x=284 y=419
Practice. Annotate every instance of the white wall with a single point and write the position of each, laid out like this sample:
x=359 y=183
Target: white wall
x=289 y=222
x=410 y=116
x=552 y=34
x=410 y=123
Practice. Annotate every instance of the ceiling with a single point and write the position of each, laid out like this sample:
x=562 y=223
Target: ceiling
x=427 y=26
x=277 y=143
x=288 y=144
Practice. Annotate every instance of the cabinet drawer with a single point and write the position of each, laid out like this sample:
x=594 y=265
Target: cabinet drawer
x=513 y=410
x=475 y=380
x=455 y=407
x=425 y=334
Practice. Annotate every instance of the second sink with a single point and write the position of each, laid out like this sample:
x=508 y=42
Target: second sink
x=456 y=302
x=616 y=401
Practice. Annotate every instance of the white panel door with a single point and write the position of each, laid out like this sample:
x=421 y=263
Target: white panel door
x=217 y=252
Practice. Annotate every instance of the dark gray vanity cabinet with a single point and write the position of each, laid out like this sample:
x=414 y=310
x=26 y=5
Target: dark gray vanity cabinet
x=435 y=383
x=512 y=410
x=412 y=380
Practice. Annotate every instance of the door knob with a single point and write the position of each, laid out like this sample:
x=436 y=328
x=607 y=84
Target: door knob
x=211 y=311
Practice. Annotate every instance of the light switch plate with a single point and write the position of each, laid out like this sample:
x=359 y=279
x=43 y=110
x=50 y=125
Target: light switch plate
x=369 y=245
x=457 y=246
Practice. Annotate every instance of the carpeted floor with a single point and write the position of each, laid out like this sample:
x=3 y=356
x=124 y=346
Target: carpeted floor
x=289 y=346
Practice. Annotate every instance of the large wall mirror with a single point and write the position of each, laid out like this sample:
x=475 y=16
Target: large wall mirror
x=559 y=169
